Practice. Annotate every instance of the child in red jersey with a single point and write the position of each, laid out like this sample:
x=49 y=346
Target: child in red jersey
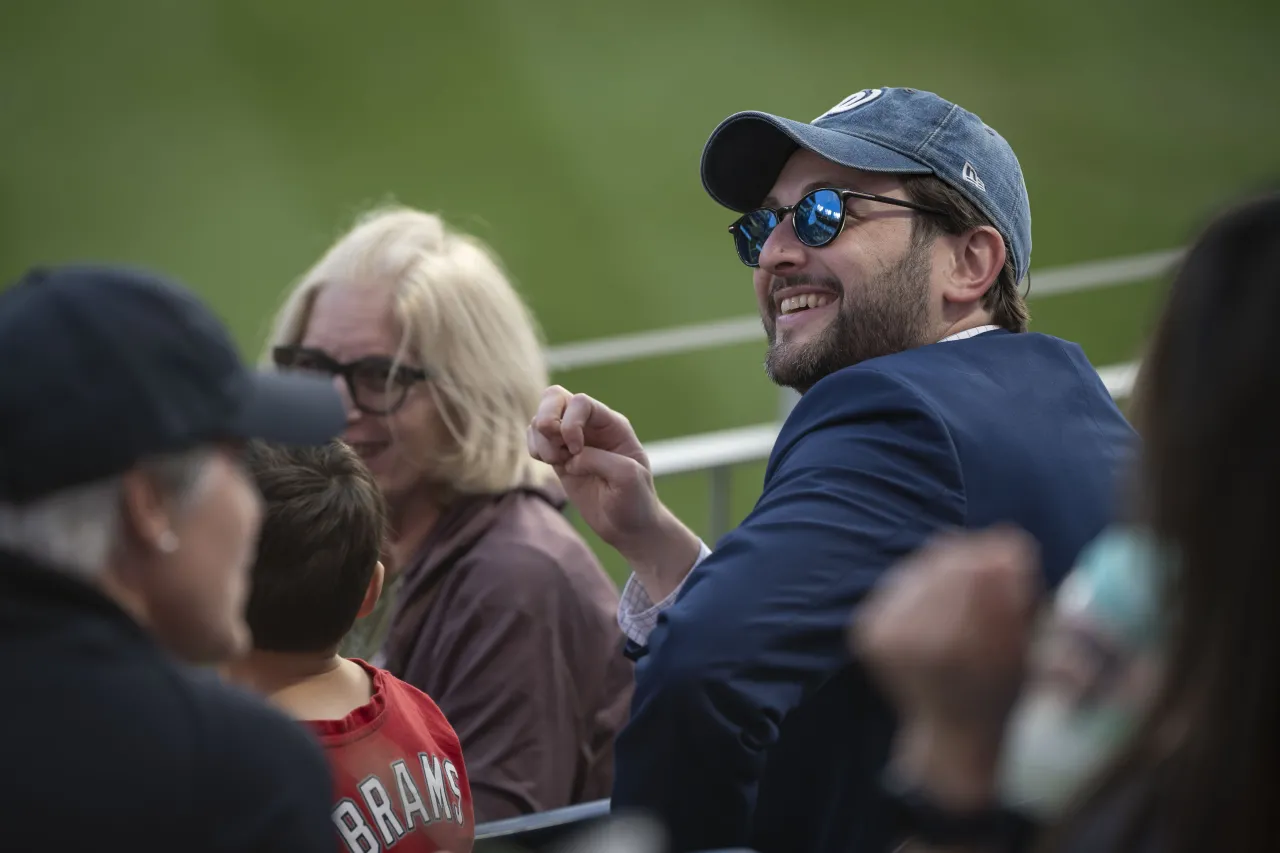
x=397 y=767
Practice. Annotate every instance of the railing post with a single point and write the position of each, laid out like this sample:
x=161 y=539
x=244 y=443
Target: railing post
x=721 y=495
x=786 y=402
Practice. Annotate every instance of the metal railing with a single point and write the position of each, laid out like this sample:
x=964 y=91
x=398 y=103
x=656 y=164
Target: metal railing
x=576 y=829
x=744 y=330
x=718 y=452
x=539 y=830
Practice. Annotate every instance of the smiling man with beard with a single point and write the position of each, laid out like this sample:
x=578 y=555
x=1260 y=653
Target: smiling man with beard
x=887 y=313
x=887 y=240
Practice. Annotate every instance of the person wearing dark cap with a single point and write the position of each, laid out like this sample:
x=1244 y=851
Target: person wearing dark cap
x=127 y=528
x=887 y=239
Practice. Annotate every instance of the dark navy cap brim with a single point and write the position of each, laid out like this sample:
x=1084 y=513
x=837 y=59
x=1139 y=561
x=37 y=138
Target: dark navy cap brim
x=290 y=409
x=745 y=154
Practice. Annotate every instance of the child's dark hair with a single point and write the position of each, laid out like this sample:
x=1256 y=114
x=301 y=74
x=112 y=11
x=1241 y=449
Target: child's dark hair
x=322 y=533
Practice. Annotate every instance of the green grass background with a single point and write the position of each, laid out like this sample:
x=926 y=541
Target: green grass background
x=228 y=141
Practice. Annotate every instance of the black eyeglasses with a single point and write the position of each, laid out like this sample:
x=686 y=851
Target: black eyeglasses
x=818 y=219
x=377 y=385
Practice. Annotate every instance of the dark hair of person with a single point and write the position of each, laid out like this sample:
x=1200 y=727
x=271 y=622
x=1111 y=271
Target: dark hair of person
x=322 y=532
x=1200 y=773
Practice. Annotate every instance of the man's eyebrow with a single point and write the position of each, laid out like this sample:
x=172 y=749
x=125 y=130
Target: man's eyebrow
x=830 y=183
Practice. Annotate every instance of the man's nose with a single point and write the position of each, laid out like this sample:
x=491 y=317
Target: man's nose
x=783 y=253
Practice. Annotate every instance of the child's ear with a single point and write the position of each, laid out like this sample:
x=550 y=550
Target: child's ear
x=374 y=592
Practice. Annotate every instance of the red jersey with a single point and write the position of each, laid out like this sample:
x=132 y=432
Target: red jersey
x=398 y=775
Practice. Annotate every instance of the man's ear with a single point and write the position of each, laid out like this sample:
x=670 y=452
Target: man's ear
x=144 y=510
x=973 y=263
x=374 y=591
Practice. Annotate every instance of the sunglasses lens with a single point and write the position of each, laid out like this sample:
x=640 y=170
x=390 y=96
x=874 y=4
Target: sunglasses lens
x=750 y=232
x=818 y=217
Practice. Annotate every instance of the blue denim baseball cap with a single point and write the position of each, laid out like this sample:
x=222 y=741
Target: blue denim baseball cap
x=903 y=131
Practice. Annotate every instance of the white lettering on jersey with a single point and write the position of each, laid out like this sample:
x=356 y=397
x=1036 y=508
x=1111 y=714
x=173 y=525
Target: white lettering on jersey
x=451 y=774
x=354 y=831
x=410 y=796
x=379 y=805
x=435 y=784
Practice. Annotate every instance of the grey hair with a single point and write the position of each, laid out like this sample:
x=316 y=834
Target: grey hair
x=77 y=529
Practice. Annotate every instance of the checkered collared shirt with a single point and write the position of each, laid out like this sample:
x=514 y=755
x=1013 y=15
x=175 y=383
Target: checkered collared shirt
x=637 y=612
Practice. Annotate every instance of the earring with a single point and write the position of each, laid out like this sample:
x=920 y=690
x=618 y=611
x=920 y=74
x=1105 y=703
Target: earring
x=168 y=542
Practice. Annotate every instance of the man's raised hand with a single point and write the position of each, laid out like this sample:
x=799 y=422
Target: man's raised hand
x=605 y=473
x=600 y=462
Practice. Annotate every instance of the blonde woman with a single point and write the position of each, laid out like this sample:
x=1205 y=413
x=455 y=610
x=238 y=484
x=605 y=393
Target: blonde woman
x=498 y=610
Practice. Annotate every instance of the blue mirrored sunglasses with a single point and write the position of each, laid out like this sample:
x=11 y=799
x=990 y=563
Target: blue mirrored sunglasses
x=818 y=219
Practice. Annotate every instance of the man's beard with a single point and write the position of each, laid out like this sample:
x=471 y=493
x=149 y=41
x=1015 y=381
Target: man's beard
x=889 y=314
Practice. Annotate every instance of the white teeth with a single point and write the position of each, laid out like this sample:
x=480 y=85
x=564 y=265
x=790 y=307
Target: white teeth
x=805 y=300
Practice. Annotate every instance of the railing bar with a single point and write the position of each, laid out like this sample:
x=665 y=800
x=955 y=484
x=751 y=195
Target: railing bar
x=742 y=330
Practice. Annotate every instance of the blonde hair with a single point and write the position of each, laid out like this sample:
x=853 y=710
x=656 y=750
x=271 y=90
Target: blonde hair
x=462 y=317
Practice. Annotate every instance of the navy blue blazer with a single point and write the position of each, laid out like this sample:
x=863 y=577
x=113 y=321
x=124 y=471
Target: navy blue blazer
x=751 y=726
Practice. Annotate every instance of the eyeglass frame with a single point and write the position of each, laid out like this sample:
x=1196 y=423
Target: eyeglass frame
x=782 y=212
x=329 y=364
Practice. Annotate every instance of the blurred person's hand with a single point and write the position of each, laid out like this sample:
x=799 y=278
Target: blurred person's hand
x=946 y=635
x=605 y=473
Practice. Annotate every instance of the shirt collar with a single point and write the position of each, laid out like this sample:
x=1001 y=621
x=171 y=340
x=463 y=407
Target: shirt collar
x=970 y=333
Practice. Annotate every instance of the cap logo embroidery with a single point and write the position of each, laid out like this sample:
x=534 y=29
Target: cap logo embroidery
x=971 y=175
x=857 y=99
